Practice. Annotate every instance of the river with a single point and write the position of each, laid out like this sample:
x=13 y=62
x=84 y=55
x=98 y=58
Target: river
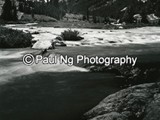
x=54 y=96
x=48 y=92
x=58 y=92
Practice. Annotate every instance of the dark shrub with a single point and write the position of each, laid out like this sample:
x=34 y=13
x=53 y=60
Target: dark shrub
x=14 y=39
x=71 y=35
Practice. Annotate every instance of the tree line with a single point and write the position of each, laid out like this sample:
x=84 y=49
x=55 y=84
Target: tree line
x=113 y=8
x=103 y=8
x=53 y=8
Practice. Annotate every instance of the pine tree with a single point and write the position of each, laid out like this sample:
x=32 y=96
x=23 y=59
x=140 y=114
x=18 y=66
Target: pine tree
x=9 y=11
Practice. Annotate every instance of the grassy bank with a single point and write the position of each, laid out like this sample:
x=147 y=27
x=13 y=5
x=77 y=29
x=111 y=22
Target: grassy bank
x=147 y=68
x=90 y=25
x=14 y=39
x=139 y=74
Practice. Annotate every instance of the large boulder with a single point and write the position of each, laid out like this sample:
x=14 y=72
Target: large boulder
x=140 y=102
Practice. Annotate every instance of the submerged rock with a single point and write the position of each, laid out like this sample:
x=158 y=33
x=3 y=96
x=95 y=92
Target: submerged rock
x=140 y=102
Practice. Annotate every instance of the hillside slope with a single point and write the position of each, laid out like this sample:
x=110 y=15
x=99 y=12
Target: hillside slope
x=117 y=8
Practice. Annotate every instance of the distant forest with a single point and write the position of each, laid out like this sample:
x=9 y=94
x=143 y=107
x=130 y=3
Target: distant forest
x=117 y=9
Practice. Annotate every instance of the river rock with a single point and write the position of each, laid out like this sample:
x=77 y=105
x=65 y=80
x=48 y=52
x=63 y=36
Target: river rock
x=60 y=43
x=42 y=44
x=140 y=102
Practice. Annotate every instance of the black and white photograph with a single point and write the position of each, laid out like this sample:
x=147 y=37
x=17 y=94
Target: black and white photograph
x=79 y=59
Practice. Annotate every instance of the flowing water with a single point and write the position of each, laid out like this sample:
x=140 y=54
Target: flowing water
x=54 y=96
x=57 y=92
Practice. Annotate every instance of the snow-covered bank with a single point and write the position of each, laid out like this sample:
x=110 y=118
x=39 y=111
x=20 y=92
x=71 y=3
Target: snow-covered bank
x=11 y=65
x=93 y=37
